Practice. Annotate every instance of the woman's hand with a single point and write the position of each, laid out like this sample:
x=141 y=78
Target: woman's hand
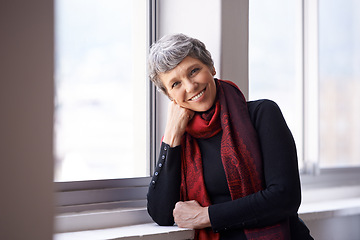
x=177 y=120
x=190 y=214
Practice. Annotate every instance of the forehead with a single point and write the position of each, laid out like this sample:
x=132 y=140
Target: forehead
x=186 y=63
x=181 y=69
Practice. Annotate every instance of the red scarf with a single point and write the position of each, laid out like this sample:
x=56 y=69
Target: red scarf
x=240 y=155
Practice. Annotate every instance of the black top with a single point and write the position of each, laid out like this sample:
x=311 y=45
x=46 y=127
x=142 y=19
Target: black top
x=279 y=200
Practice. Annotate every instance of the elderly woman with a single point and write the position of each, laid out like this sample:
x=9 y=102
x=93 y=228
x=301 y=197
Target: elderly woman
x=227 y=168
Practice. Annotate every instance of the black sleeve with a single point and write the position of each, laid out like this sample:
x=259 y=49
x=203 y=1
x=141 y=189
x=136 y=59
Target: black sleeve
x=164 y=189
x=282 y=194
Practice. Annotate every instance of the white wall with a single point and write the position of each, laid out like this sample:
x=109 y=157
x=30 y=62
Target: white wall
x=221 y=25
x=26 y=108
x=199 y=19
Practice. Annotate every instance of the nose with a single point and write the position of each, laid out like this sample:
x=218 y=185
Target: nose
x=190 y=86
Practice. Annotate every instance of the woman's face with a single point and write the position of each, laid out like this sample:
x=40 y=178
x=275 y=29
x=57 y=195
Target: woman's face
x=191 y=84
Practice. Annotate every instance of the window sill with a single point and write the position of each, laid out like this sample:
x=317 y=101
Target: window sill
x=328 y=202
x=311 y=209
x=330 y=209
x=324 y=197
x=149 y=231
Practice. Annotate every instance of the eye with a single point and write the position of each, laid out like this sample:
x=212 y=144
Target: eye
x=175 y=84
x=194 y=71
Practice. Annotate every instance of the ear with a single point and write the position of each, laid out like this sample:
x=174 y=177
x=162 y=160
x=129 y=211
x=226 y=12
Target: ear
x=213 y=71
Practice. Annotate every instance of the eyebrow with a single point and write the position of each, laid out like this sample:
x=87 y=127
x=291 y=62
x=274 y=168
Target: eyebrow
x=187 y=70
x=192 y=66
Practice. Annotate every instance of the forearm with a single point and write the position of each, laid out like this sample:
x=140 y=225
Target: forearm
x=256 y=210
x=164 y=189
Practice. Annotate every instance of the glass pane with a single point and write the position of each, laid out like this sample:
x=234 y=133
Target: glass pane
x=339 y=70
x=100 y=112
x=275 y=58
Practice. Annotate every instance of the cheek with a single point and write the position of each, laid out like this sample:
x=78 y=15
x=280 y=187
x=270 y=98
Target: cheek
x=176 y=96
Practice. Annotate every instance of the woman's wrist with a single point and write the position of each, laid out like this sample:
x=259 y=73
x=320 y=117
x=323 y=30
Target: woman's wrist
x=205 y=221
x=172 y=140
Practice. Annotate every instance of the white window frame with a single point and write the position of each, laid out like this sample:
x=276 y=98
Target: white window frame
x=312 y=175
x=311 y=128
x=85 y=205
x=310 y=76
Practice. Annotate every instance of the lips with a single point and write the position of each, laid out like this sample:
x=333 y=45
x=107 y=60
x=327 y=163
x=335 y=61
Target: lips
x=196 y=97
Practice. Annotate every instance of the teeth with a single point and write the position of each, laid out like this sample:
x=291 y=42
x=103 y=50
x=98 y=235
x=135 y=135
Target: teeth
x=197 y=96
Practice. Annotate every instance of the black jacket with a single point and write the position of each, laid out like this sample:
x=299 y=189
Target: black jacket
x=279 y=200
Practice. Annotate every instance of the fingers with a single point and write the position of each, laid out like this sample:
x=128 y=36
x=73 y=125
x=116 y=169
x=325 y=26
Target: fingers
x=179 y=114
x=184 y=211
x=190 y=214
x=177 y=121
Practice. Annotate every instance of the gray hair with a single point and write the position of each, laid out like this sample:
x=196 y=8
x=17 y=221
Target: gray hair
x=169 y=51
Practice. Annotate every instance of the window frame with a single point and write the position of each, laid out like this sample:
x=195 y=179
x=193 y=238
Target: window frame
x=85 y=205
x=311 y=98
x=312 y=175
x=310 y=91
x=124 y=199
x=309 y=142
x=101 y=194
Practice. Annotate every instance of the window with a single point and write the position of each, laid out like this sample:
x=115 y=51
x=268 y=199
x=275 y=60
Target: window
x=339 y=79
x=101 y=118
x=275 y=61
x=308 y=53
x=104 y=114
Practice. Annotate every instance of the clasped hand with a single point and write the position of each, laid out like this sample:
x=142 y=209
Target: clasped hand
x=190 y=214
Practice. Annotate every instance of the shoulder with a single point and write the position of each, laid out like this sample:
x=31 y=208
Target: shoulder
x=265 y=112
x=262 y=106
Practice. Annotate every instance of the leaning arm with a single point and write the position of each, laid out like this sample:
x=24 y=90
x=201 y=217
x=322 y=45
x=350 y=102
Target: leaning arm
x=282 y=195
x=164 y=189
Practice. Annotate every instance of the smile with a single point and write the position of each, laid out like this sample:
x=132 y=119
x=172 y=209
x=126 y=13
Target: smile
x=197 y=96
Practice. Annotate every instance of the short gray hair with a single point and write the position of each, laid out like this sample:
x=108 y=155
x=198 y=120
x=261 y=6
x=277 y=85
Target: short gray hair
x=169 y=51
